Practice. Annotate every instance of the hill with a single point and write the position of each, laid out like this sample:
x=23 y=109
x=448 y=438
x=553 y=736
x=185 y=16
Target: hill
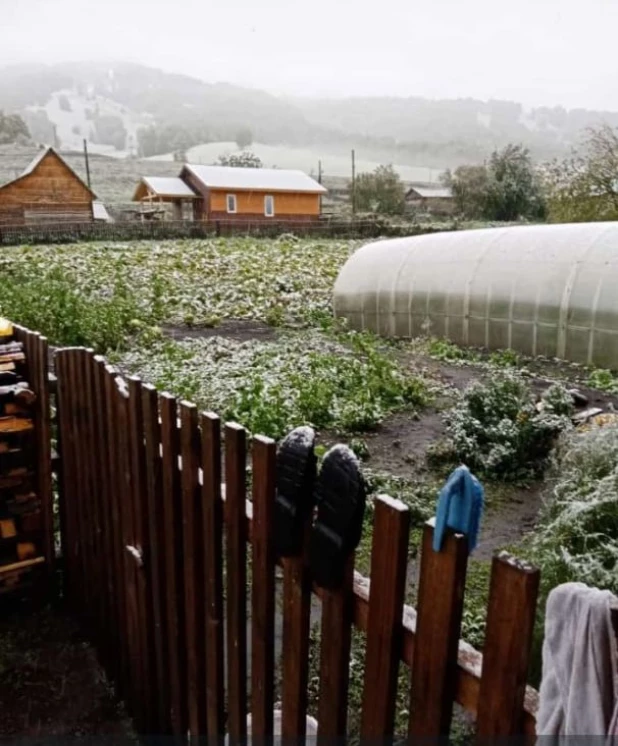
x=111 y=103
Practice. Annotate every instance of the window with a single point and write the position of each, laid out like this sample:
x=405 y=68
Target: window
x=231 y=203
x=269 y=206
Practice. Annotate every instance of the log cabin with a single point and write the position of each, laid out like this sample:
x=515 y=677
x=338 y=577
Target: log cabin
x=223 y=193
x=47 y=192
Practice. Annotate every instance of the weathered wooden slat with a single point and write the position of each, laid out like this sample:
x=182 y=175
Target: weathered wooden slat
x=108 y=579
x=389 y=554
x=154 y=564
x=337 y=606
x=140 y=552
x=236 y=573
x=511 y=611
x=212 y=528
x=295 y=643
x=440 y=607
x=122 y=661
x=174 y=591
x=263 y=591
x=193 y=570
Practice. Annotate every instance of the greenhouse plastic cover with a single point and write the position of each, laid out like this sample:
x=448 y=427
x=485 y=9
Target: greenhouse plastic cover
x=548 y=290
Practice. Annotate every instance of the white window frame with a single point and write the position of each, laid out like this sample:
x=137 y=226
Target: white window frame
x=234 y=209
x=272 y=202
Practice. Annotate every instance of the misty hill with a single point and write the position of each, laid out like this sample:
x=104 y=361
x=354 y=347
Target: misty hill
x=110 y=105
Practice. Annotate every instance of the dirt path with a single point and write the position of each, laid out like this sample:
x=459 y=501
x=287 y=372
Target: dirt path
x=50 y=681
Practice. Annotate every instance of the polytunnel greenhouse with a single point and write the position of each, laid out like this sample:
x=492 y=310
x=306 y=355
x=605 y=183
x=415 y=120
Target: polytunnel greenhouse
x=547 y=290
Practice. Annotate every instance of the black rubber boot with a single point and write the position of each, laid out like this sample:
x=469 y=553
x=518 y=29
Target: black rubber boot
x=341 y=497
x=294 y=500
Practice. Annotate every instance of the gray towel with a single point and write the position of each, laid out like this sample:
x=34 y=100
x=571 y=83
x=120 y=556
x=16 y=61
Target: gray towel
x=579 y=689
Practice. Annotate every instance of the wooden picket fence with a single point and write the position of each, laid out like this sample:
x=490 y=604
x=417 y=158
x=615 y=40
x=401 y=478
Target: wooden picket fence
x=156 y=527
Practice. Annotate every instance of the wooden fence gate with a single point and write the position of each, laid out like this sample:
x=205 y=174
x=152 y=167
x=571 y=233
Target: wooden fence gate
x=156 y=527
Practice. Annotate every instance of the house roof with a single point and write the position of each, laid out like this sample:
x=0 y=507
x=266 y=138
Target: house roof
x=430 y=192
x=31 y=167
x=261 y=179
x=167 y=186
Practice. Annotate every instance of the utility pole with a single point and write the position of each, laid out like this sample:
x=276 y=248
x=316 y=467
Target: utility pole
x=353 y=184
x=319 y=172
x=87 y=162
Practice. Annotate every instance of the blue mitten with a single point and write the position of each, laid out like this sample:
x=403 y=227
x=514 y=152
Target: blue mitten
x=460 y=506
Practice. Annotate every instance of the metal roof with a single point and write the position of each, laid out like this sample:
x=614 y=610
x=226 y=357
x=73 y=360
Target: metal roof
x=262 y=179
x=169 y=186
x=431 y=192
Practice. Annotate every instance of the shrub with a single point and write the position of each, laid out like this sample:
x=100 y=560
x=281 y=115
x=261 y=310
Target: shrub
x=577 y=538
x=604 y=380
x=498 y=430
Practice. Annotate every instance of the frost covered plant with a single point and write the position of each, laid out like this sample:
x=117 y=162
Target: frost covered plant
x=577 y=538
x=498 y=429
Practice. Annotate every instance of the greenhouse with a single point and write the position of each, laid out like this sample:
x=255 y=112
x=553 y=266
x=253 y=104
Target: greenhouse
x=546 y=290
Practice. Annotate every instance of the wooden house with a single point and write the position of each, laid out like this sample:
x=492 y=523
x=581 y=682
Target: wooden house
x=48 y=191
x=243 y=194
x=432 y=199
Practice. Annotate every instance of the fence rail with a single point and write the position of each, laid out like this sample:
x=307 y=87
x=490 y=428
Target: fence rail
x=150 y=500
x=178 y=229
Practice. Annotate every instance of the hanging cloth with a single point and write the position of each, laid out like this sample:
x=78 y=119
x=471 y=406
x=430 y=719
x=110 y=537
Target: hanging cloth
x=460 y=507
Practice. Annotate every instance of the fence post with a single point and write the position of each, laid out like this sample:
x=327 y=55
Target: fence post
x=389 y=554
x=511 y=610
x=263 y=591
x=236 y=571
x=440 y=607
x=213 y=570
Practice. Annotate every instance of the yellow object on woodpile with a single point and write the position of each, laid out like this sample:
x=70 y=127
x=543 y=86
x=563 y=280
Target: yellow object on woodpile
x=599 y=420
x=6 y=328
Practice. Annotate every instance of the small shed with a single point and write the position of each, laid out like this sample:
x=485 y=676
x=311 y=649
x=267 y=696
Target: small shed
x=437 y=200
x=153 y=190
x=48 y=191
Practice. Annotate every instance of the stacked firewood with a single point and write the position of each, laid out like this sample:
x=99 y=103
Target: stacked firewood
x=20 y=510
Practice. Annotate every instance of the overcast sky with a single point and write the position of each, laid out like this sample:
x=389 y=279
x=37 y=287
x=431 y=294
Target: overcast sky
x=539 y=52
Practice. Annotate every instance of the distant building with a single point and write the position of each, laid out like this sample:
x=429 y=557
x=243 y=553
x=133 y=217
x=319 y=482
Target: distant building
x=212 y=193
x=436 y=200
x=48 y=191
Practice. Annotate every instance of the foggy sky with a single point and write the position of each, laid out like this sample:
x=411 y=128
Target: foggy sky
x=538 y=52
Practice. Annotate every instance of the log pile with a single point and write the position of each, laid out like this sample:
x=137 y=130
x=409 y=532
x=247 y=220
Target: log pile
x=20 y=509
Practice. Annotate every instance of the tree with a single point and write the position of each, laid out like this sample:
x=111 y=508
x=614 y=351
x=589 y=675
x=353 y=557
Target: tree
x=246 y=159
x=584 y=186
x=244 y=138
x=64 y=103
x=13 y=129
x=381 y=191
x=507 y=188
x=110 y=130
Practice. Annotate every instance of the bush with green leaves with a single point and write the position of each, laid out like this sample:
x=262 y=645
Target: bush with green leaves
x=577 y=538
x=498 y=430
x=604 y=380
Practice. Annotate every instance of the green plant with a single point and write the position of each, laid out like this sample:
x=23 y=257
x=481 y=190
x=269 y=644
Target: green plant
x=505 y=358
x=604 y=380
x=497 y=429
x=442 y=349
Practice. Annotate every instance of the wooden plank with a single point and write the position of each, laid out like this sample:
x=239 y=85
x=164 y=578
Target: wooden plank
x=511 y=611
x=45 y=488
x=140 y=552
x=389 y=562
x=213 y=576
x=64 y=475
x=5 y=569
x=174 y=592
x=236 y=573
x=155 y=566
x=108 y=579
x=440 y=607
x=336 y=638
x=122 y=668
x=263 y=591
x=192 y=522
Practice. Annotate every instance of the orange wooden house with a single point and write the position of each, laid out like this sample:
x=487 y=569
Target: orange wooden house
x=48 y=191
x=227 y=193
